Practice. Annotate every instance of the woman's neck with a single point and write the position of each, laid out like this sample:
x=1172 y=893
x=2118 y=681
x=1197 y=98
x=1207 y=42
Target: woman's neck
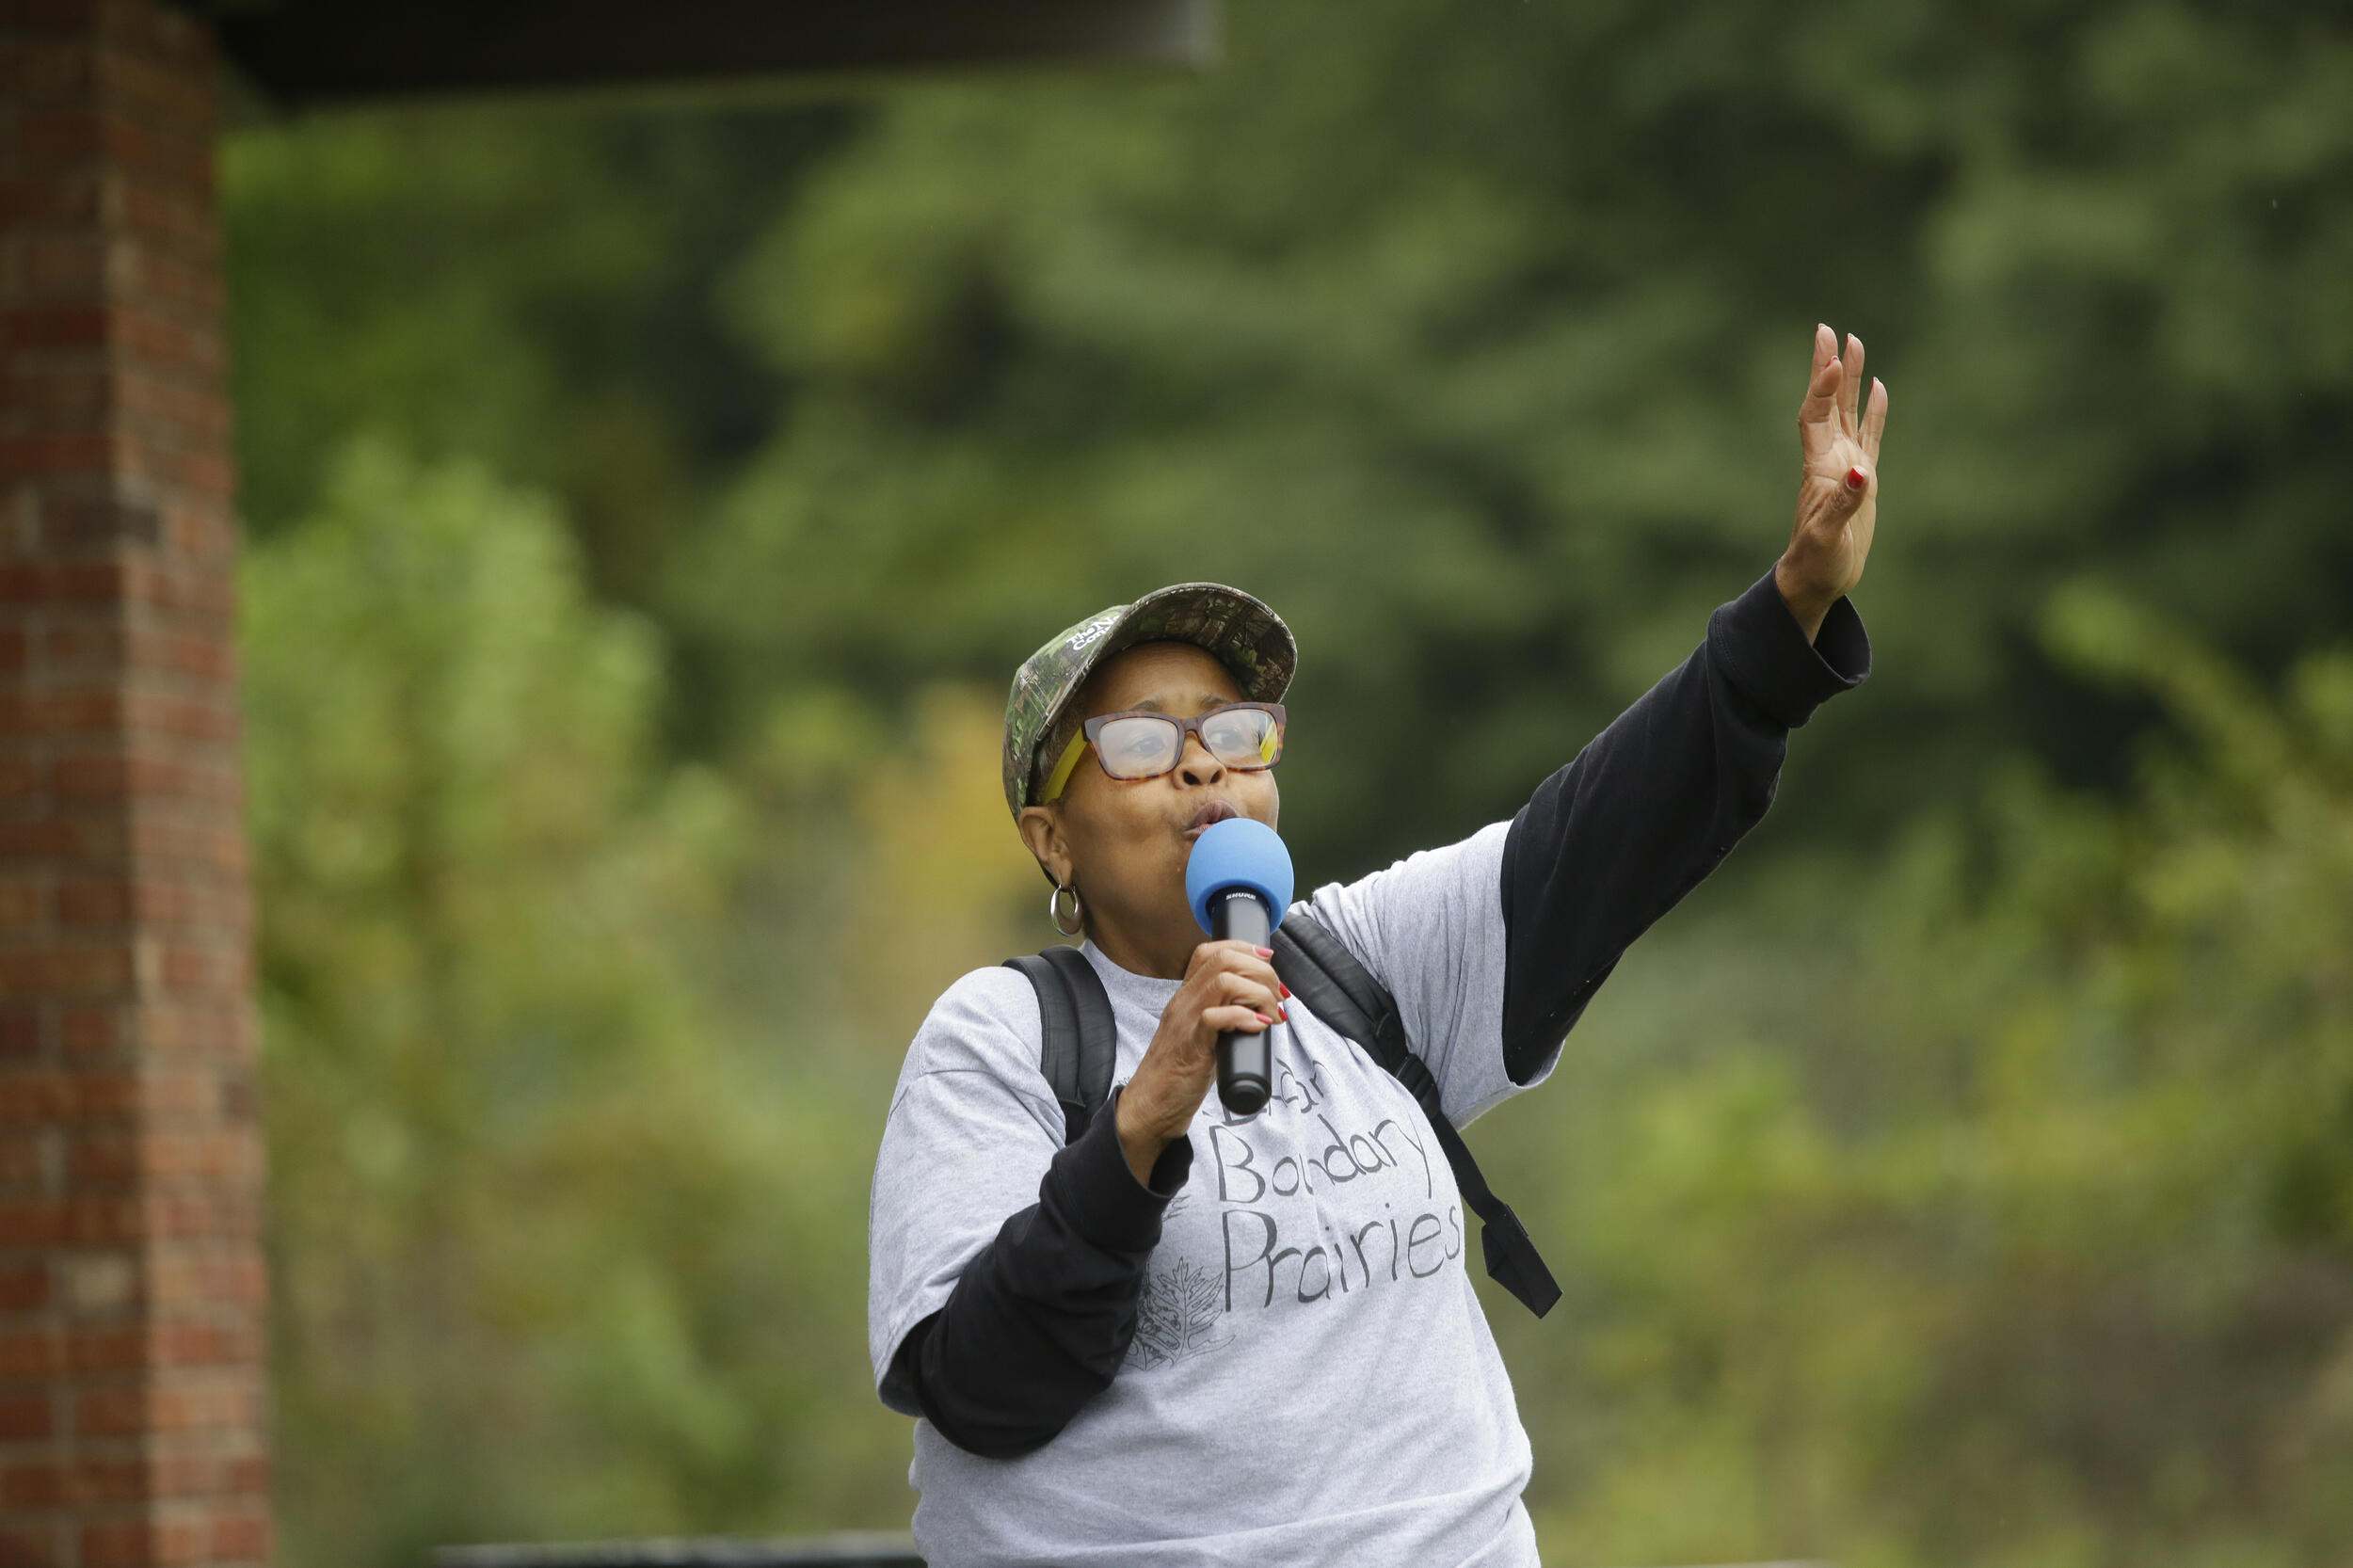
x=1162 y=956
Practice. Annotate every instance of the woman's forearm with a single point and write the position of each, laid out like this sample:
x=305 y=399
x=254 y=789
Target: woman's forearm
x=1042 y=1316
x=1613 y=841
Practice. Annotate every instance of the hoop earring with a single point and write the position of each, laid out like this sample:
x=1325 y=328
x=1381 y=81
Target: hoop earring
x=1053 y=909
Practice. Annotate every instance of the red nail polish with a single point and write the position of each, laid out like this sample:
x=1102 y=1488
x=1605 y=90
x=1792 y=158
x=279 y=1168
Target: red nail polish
x=1856 y=479
x=1280 y=986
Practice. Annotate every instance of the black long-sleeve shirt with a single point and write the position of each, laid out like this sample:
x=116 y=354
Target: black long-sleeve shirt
x=1041 y=1318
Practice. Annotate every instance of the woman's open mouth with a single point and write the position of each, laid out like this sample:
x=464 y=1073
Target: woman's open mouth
x=1209 y=817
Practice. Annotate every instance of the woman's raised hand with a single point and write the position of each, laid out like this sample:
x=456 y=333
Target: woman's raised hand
x=1838 y=489
x=1228 y=986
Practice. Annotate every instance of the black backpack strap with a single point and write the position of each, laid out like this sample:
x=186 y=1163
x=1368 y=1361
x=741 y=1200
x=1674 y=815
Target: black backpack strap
x=1337 y=989
x=1080 y=1042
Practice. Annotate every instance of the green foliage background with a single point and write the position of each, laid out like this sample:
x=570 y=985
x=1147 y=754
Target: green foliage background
x=647 y=508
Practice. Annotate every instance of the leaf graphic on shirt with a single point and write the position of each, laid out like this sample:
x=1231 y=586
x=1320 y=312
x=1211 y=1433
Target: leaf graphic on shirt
x=1176 y=1316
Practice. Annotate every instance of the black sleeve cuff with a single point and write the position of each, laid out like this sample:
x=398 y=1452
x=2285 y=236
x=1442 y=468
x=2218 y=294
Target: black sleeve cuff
x=1763 y=650
x=1106 y=1204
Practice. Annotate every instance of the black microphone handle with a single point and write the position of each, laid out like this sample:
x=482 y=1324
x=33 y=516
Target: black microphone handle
x=1245 y=1062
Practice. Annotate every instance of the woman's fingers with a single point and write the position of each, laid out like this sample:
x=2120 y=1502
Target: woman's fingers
x=1822 y=391
x=1874 y=420
x=1851 y=384
x=1263 y=993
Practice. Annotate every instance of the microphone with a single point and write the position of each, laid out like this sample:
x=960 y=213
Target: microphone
x=1238 y=882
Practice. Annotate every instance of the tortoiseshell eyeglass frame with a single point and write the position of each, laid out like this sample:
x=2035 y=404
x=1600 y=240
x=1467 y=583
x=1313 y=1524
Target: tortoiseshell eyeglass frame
x=1092 y=727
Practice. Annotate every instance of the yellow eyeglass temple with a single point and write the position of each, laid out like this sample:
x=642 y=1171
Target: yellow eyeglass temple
x=1061 y=775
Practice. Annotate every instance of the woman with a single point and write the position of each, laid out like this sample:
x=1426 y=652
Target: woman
x=1314 y=1381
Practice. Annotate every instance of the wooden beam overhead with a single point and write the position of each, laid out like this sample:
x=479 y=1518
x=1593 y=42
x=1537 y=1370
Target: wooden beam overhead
x=297 y=55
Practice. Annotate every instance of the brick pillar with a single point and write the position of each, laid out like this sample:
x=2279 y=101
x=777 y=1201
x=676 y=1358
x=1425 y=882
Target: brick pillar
x=133 y=1403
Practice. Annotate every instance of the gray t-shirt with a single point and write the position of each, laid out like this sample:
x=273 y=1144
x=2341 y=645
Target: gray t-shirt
x=1312 y=1378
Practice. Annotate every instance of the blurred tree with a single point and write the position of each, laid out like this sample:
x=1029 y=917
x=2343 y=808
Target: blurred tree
x=526 y=287
x=2029 y=1239
x=1471 y=340
x=542 y=1229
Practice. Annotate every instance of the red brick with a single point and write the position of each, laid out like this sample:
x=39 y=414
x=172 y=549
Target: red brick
x=107 y=647
x=51 y=68
x=156 y=93
x=206 y=1345
x=167 y=1542
x=101 y=1158
x=115 y=1348
x=247 y=1475
x=24 y=1286
x=75 y=19
x=20 y=1030
x=87 y=901
x=196 y=844
x=114 y=776
x=55 y=325
x=172 y=588
x=195 y=718
x=94 y=1479
x=87 y=647
x=36 y=1094
x=88 y=1029
x=30 y=1547
x=145 y=335
x=171 y=1156
x=242 y=1537
x=48 y=398
x=43 y=456
x=58 y=969
x=197 y=1026
x=24 y=904
x=232 y=1278
x=222 y=907
x=95 y=1095
x=27 y=1416
x=106 y=1349
x=45 y=712
x=84 y=1218
x=34 y=1483
x=80 y=135
x=158 y=214
x=30 y=1352
x=20 y=782
x=90 y=525
x=113 y=1411
x=118 y=693
x=63 y=837
x=206 y=473
x=24 y=1160
x=62 y=266
x=195 y=968
x=200 y=409
x=231 y=1402
x=127 y=1543
x=52 y=195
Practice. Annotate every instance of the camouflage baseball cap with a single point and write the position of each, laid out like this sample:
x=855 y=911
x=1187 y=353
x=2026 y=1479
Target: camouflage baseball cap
x=1247 y=637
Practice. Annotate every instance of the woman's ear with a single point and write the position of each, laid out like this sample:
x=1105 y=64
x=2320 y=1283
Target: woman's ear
x=1041 y=829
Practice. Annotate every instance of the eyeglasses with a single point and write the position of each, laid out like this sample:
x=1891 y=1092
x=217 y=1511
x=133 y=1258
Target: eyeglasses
x=1245 y=736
